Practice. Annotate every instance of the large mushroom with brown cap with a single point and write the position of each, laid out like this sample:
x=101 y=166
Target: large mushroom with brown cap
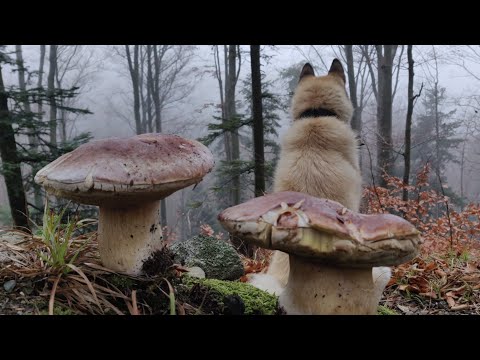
x=127 y=178
x=332 y=249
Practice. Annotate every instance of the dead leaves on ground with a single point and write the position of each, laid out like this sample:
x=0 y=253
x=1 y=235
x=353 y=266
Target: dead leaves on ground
x=442 y=284
x=258 y=264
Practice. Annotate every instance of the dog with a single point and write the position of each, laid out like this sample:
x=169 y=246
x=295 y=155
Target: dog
x=319 y=156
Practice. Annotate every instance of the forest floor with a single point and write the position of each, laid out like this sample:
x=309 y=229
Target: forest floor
x=433 y=284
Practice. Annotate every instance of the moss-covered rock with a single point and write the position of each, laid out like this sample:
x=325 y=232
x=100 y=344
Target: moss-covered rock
x=229 y=297
x=217 y=258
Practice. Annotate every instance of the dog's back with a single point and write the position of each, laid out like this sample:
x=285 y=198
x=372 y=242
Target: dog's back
x=319 y=153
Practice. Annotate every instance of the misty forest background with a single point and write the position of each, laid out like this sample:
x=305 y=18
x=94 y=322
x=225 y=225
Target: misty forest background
x=414 y=105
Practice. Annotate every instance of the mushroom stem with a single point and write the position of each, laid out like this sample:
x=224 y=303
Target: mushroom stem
x=127 y=236
x=316 y=289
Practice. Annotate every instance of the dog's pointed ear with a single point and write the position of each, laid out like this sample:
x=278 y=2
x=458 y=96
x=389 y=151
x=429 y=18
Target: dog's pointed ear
x=307 y=70
x=337 y=70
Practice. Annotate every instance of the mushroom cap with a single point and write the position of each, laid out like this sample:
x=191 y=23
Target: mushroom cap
x=115 y=171
x=323 y=230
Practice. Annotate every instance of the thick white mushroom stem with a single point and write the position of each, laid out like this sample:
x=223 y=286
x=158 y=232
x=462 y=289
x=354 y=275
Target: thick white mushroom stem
x=127 y=236
x=317 y=289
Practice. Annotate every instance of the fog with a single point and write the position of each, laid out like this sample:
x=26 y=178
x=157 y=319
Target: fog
x=105 y=89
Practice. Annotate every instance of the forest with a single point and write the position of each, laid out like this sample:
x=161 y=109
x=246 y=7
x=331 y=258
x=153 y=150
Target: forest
x=415 y=117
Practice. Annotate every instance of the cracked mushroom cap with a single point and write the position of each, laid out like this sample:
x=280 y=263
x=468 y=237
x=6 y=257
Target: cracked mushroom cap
x=323 y=230
x=111 y=171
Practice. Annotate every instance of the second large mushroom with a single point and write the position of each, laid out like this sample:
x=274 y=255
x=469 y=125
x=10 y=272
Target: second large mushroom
x=332 y=249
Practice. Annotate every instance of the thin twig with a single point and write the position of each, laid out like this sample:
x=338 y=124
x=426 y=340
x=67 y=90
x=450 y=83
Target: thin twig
x=447 y=207
x=373 y=177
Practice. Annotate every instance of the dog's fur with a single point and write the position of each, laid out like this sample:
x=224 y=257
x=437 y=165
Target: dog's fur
x=319 y=155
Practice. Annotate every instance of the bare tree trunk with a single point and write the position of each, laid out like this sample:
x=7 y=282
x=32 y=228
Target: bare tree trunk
x=51 y=94
x=258 y=130
x=218 y=74
x=408 y=123
x=62 y=120
x=143 y=100
x=134 y=75
x=231 y=106
x=155 y=89
x=40 y=79
x=37 y=193
x=384 y=110
x=462 y=163
x=183 y=224
x=352 y=87
x=149 y=89
x=23 y=87
x=11 y=164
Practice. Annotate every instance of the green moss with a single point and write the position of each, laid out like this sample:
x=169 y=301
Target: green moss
x=256 y=301
x=383 y=310
x=57 y=310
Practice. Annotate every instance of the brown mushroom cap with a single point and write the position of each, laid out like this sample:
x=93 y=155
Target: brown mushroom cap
x=144 y=167
x=323 y=230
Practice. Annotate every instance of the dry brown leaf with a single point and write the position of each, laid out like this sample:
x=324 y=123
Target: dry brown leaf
x=459 y=289
x=408 y=287
x=431 y=266
x=431 y=295
x=470 y=268
x=404 y=309
x=450 y=301
x=474 y=277
x=460 y=307
x=451 y=294
x=440 y=273
x=392 y=281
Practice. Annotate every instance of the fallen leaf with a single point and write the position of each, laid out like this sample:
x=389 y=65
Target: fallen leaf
x=410 y=288
x=450 y=301
x=431 y=266
x=459 y=289
x=430 y=294
x=460 y=307
x=392 y=281
x=475 y=277
x=451 y=294
x=440 y=273
x=404 y=309
x=470 y=268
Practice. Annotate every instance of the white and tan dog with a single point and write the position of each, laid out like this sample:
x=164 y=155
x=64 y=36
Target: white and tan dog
x=319 y=156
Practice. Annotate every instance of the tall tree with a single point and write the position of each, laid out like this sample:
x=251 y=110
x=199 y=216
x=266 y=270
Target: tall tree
x=352 y=87
x=408 y=123
x=384 y=90
x=385 y=58
x=23 y=88
x=258 y=131
x=11 y=163
x=40 y=79
x=231 y=79
x=32 y=137
x=51 y=94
